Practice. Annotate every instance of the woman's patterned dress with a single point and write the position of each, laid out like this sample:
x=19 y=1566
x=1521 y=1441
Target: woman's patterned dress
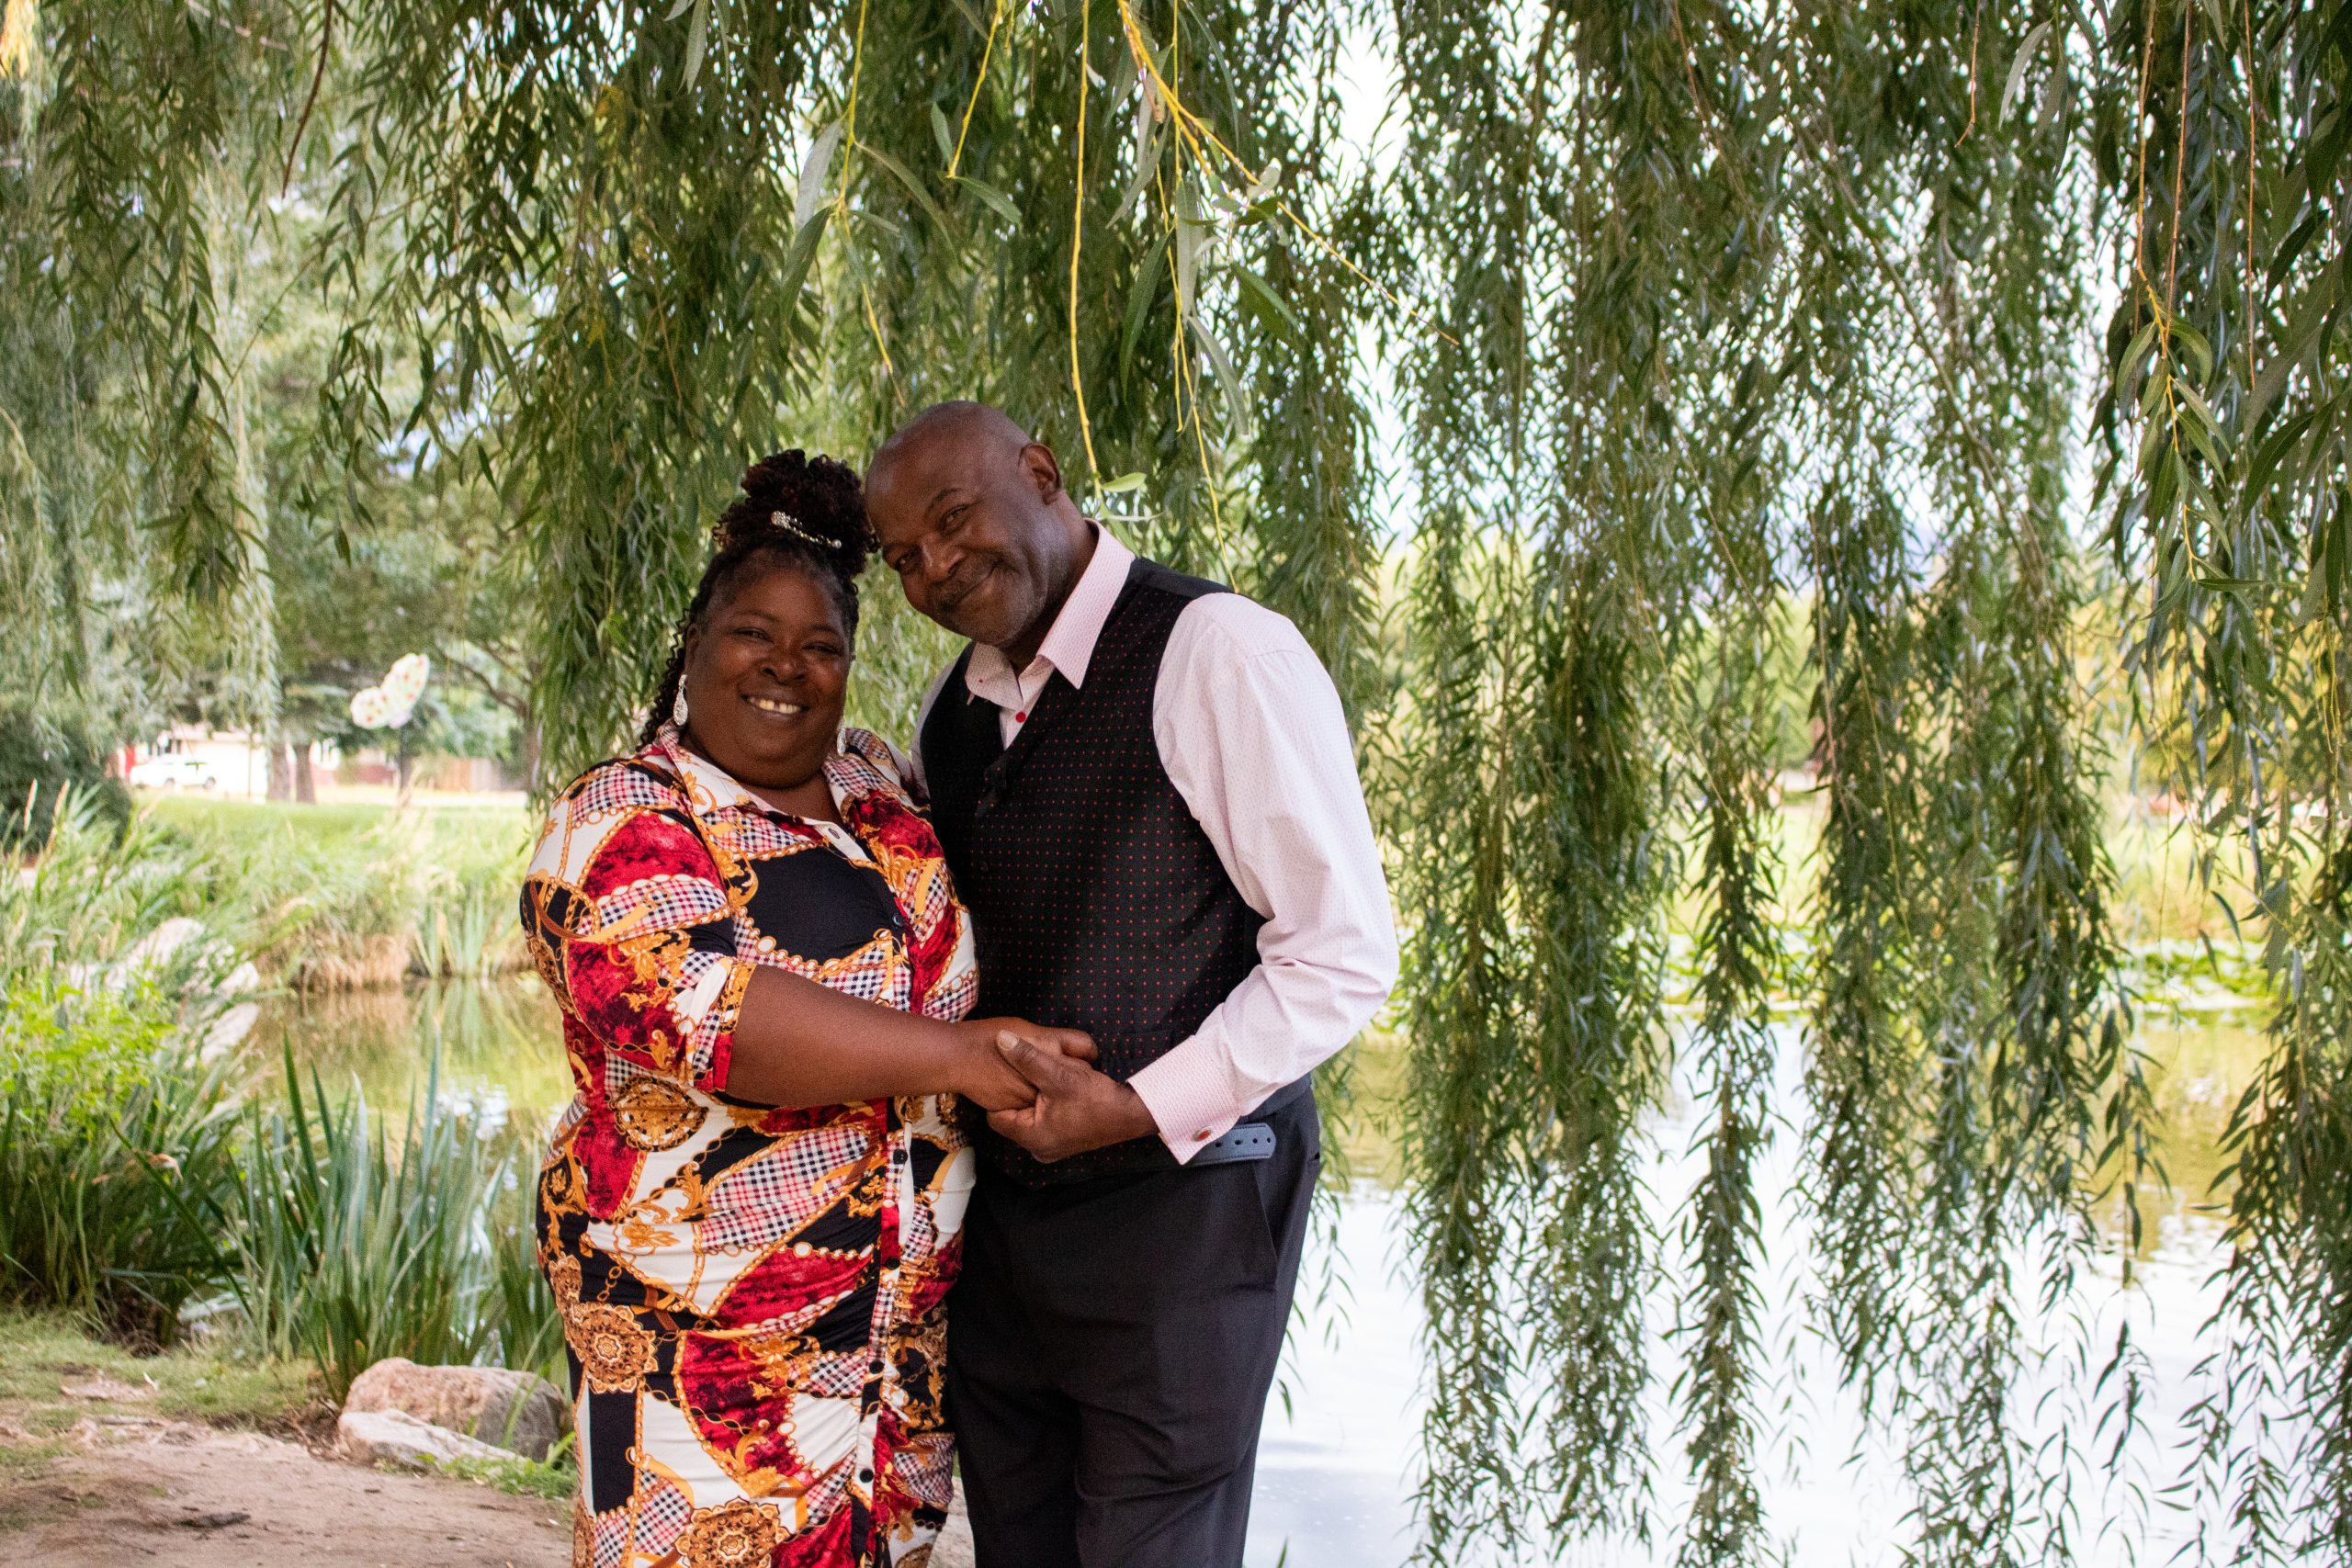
x=752 y=1297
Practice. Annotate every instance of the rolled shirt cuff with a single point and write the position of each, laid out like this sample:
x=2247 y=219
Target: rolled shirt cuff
x=708 y=1011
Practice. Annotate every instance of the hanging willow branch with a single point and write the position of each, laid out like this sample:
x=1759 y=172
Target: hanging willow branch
x=1703 y=324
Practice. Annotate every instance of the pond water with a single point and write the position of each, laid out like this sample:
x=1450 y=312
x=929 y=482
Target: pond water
x=1339 y=1458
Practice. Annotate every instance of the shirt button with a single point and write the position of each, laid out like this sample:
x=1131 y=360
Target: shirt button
x=864 y=1474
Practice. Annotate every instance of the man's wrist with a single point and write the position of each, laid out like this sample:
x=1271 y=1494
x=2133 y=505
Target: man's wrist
x=1134 y=1118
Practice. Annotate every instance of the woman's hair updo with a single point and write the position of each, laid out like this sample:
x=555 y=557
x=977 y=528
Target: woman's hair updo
x=795 y=510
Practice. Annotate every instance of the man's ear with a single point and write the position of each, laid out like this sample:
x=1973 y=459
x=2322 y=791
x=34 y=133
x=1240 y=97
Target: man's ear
x=1045 y=471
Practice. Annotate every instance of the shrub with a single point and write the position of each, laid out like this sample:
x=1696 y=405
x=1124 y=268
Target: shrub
x=117 y=1155
x=42 y=762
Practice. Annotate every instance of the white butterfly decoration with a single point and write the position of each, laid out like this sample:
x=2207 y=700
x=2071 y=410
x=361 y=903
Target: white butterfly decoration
x=387 y=705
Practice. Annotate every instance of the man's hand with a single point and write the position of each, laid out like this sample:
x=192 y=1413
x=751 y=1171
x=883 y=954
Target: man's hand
x=1077 y=1108
x=989 y=1080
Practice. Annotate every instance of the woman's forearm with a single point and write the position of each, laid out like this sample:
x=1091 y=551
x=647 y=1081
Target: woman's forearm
x=797 y=1042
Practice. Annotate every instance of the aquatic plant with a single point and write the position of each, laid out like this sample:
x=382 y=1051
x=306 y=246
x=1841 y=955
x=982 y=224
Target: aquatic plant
x=355 y=1239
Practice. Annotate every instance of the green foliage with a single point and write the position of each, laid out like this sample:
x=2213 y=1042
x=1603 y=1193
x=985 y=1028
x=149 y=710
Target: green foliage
x=41 y=766
x=556 y=1478
x=116 y=1137
x=117 y=1146
x=354 y=1241
x=1701 y=314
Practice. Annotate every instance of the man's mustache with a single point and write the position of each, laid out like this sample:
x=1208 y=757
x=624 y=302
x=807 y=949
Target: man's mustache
x=956 y=588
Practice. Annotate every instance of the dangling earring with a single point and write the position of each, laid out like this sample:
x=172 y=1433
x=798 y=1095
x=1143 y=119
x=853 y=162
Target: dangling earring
x=678 y=708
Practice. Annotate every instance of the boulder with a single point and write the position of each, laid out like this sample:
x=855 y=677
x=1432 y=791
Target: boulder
x=395 y=1437
x=514 y=1410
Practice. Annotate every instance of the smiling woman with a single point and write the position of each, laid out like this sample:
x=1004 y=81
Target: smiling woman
x=752 y=1209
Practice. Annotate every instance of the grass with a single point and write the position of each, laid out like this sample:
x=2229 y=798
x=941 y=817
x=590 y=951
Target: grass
x=344 y=897
x=555 y=1479
x=218 y=1382
x=466 y=838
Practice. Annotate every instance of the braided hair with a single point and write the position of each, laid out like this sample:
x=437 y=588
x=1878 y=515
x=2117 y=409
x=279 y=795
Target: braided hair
x=795 y=510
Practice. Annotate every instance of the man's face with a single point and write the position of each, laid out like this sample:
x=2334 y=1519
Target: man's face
x=966 y=523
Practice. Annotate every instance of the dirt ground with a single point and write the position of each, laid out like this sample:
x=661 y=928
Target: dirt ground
x=143 y=1490
x=206 y=1458
x=139 y=1489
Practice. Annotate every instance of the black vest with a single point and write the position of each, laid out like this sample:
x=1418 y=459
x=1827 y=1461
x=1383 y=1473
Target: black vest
x=1097 y=901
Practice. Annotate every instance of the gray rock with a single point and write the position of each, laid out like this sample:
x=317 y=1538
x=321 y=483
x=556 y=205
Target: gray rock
x=396 y=1438
x=514 y=1410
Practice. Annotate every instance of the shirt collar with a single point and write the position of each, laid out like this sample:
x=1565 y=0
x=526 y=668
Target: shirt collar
x=711 y=789
x=1069 y=643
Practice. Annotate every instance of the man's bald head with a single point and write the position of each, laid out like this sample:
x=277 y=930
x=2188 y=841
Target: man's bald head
x=977 y=427
x=972 y=516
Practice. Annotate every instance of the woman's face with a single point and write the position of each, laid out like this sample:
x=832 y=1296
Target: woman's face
x=764 y=678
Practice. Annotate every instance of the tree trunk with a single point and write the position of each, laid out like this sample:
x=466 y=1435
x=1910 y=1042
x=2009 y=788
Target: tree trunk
x=306 y=785
x=282 y=770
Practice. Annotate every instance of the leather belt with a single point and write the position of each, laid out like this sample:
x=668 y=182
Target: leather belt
x=1243 y=1141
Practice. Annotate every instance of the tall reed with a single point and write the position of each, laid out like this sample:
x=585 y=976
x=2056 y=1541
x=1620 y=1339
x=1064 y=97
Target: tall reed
x=354 y=1241
x=91 y=890
x=467 y=931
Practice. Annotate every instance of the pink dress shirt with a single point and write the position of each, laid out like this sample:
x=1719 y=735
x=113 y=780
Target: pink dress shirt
x=1249 y=728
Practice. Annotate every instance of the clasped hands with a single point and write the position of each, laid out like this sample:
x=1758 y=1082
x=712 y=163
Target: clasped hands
x=1040 y=1090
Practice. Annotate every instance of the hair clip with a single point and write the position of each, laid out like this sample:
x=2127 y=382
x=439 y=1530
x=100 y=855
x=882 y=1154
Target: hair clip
x=791 y=525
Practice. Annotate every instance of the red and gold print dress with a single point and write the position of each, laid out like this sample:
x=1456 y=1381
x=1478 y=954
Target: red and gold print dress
x=752 y=1298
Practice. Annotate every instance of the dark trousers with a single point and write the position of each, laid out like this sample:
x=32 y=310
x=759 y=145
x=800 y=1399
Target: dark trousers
x=1110 y=1346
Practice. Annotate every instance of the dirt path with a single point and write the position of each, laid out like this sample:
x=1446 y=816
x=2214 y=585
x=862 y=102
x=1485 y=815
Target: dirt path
x=150 y=1491
x=136 y=1489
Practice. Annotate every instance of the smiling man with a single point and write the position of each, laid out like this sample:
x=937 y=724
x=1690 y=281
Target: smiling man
x=1147 y=793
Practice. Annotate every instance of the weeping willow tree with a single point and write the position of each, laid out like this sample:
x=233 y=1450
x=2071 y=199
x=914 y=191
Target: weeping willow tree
x=1914 y=334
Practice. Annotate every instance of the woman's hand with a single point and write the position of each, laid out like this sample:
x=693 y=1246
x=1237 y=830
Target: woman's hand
x=990 y=1081
x=797 y=1042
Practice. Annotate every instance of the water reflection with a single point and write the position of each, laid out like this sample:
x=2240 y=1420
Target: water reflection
x=1339 y=1465
x=498 y=1042
x=1339 y=1458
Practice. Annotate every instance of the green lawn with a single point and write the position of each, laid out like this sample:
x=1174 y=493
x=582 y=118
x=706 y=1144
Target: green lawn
x=461 y=837
x=40 y=1352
